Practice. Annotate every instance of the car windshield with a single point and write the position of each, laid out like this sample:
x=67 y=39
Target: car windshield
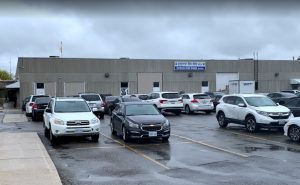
x=44 y=100
x=260 y=101
x=91 y=97
x=71 y=106
x=35 y=97
x=142 y=109
x=170 y=95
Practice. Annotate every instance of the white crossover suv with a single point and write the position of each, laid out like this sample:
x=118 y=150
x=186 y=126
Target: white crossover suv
x=292 y=129
x=166 y=101
x=253 y=111
x=95 y=102
x=197 y=102
x=70 y=117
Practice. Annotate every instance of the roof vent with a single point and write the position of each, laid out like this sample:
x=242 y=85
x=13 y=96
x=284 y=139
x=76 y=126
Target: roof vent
x=125 y=58
x=53 y=56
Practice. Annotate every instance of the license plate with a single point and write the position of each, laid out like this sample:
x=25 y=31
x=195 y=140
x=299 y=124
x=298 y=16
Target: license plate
x=77 y=130
x=281 y=122
x=152 y=134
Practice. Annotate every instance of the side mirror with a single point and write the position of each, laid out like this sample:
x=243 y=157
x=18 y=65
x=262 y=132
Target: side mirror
x=241 y=105
x=277 y=104
x=48 y=110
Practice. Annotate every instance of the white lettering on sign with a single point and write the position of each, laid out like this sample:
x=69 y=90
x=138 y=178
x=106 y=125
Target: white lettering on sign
x=189 y=66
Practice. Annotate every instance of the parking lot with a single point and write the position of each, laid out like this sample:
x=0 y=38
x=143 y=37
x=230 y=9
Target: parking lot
x=198 y=152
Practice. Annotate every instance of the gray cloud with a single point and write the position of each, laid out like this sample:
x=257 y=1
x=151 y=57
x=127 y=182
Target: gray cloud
x=156 y=29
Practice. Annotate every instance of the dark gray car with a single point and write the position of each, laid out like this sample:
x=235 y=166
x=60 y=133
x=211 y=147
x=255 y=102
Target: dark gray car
x=137 y=120
x=281 y=97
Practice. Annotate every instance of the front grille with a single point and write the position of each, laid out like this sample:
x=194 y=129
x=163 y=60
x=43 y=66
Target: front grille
x=279 y=115
x=151 y=127
x=77 y=122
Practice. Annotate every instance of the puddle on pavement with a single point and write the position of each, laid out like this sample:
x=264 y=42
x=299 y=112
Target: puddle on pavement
x=267 y=147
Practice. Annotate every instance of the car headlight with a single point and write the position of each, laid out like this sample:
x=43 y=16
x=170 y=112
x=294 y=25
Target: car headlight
x=58 y=121
x=133 y=125
x=166 y=123
x=262 y=113
x=95 y=120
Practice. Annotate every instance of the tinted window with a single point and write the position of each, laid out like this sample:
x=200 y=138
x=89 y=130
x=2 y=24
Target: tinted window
x=35 y=97
x=71 y=106
x=133 y=110
x=185 y=97
x=292 y=103
x=239 y=100
x=91 y=97
x=111 y=98
x=201 y=96
x=170 y=95
x=229 y=100
x=44 y=100
x=143 y=97
x=289 y=95
x=259 y=101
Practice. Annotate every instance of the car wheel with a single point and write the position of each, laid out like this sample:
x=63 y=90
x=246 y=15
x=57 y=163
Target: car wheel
x=188 y=110
x=112 y=129
x=165 y=139
x=95 y=138
x=124 y=135
x=46 y=131
x=52 y=138
x=222 y=120
x=294 y=133
x=251 y=125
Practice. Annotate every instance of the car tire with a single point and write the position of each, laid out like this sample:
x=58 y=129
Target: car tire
x=188 y=110
x=52 y=138
x=165 y=139
x=102 y=116
x=251 y=125
x=46 y=131
x=112 y=129
x=95 y=138
x=222 y=120
x=294 y=133
x=124 y=134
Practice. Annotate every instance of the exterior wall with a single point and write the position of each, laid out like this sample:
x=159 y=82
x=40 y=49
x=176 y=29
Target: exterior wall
x=106 y=75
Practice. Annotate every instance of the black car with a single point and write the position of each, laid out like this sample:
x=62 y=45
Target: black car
x=38 y=107
x=24 y=102
x=136 y=120
x=281 y=97
x=121 y=99
x=294 y=105
x=215 y=97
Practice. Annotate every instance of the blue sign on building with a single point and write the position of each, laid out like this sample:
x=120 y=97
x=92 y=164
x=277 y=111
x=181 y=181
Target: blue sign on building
x=189 y=66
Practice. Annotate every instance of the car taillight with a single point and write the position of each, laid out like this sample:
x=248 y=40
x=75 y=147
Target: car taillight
x=30 y=104
x=194 y=101
x=34 y=106
x=162 y=101
x=180 y=100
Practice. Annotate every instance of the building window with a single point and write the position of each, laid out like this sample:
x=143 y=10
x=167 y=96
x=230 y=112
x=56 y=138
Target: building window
x=40 y=85
x=155 y=84
x=204 y=83
x=124 y=84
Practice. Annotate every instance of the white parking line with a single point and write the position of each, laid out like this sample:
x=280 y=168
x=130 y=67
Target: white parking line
x=210 y=146
x=137 y=152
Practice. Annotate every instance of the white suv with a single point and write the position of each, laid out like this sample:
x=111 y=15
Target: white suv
x=95 y=102
x=70 y=117
x=166 y=101
x=253 y=111
x=197 y=102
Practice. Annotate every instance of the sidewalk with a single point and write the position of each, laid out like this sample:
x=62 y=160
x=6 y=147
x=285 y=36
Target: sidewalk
x=24 y=159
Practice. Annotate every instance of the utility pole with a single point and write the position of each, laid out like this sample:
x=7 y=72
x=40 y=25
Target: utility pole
x=61 y=49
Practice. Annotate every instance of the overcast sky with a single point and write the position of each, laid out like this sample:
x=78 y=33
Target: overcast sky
x=149 y=29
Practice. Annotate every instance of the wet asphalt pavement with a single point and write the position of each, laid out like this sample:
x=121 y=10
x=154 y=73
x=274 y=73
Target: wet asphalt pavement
x=198 y=152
